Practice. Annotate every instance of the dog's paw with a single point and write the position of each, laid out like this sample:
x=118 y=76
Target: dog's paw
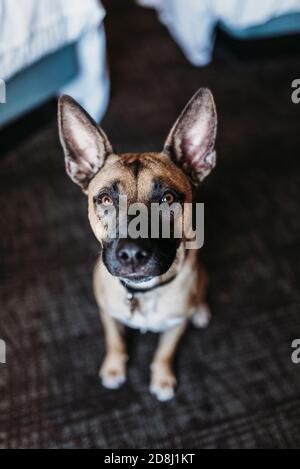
x=201 y=319
x=113 y=372
x=163 y=393
x=112 y=381
x=163 y=383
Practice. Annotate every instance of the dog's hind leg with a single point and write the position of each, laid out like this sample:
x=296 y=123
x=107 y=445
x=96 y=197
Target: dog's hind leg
x=113 y=370
x=163 y=380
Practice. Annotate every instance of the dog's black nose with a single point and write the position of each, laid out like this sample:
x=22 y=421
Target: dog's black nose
x=133 y=253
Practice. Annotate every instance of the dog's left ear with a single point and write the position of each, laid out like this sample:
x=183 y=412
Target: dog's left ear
x=191 y=143
x=85 y=144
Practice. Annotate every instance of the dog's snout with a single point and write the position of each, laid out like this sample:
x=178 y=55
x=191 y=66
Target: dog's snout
x=139 y=258
x=133 y=254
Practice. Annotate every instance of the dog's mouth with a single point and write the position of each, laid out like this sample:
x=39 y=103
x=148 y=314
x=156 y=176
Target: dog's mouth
x=136 y=278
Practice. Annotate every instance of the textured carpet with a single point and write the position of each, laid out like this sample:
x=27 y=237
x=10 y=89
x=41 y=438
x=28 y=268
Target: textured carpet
x=237 y=387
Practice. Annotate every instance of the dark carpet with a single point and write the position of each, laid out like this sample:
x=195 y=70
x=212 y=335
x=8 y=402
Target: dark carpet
x=238 y=387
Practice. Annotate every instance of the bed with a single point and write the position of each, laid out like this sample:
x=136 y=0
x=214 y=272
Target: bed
x=192 y=23
x=49 y=47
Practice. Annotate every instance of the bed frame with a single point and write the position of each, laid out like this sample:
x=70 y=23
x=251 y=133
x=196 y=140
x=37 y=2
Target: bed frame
x=38 y=83
x=281 y=26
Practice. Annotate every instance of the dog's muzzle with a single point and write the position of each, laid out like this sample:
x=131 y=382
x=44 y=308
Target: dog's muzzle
x=139 y=259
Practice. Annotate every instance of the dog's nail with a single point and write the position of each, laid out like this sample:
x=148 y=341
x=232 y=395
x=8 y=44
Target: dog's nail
x=113 y=382
x=163 y=394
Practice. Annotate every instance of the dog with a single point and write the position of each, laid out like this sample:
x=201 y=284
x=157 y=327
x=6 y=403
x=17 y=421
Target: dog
x=153 y=285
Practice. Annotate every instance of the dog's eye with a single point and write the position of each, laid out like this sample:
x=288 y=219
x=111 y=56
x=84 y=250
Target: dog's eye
x=168 y=198
x=105 y=200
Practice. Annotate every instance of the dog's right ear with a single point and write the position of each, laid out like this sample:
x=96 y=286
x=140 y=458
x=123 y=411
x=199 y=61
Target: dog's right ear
x=85 y=144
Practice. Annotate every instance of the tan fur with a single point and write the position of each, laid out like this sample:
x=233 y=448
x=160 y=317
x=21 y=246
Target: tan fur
x=175 y=303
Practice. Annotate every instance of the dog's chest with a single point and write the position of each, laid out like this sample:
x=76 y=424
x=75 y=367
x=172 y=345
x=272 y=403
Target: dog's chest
x=149 y=323
x=155 y=311
x=149 y=315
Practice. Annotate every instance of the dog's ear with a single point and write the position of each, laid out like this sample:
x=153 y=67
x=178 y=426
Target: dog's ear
x=85 y=144
x=191 y=143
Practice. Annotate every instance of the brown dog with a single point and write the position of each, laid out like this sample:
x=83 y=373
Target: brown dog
x=153 y=284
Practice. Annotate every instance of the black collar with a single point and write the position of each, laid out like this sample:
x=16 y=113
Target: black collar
x=138 y=291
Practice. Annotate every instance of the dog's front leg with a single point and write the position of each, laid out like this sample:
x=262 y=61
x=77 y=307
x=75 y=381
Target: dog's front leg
x=113 y=371
x=163 y=380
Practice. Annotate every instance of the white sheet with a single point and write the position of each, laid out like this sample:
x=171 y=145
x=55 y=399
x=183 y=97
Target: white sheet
x=192 y=22
x=92 y=86
x=30 y=29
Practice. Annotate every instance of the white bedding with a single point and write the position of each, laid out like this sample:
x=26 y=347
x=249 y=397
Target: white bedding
x=192 y=22
x=30 y=29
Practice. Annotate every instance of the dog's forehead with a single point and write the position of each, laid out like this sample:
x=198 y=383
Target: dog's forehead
x=136 y=173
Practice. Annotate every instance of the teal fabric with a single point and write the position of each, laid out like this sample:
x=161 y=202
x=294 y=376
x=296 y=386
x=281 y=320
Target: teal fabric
x=287 y=24
x=39 y=82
